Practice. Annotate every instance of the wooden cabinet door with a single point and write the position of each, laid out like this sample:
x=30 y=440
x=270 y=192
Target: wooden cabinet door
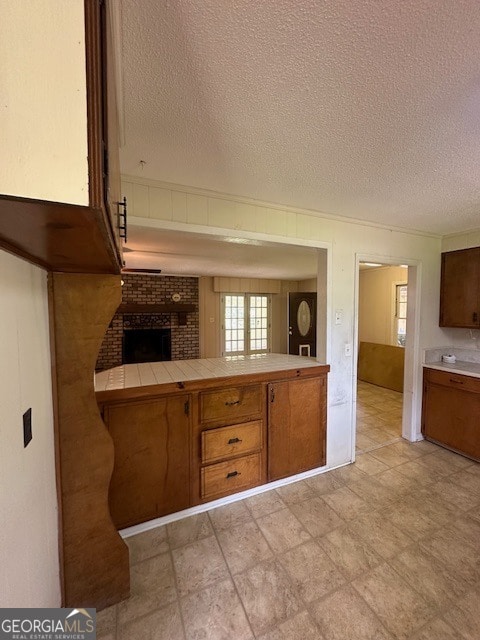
x=296 y=426
x=451 y=416
x=151 y=472
x=460 y=289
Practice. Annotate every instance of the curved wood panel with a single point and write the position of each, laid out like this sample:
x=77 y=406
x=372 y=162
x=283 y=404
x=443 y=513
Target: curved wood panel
x=95 y=558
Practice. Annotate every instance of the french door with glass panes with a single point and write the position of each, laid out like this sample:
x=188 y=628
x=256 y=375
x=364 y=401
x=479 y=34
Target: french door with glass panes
x=246 y=327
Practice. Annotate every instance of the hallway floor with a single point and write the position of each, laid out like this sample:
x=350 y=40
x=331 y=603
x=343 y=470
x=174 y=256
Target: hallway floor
x=379 y=416
x=387 y=548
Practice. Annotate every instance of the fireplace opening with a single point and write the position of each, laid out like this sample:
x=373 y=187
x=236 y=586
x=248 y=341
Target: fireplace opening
x=146 y=345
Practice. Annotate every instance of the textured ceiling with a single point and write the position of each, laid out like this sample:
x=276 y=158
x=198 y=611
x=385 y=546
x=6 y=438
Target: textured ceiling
x=195 y=254
x=361 y=108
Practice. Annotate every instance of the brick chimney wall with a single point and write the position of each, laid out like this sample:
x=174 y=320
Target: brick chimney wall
x=154 y=289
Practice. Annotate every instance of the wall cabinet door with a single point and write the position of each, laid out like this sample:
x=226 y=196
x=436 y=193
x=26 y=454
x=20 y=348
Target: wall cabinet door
x=451 y=412
x=296 y=426
x=460 y=289
x=151 y=475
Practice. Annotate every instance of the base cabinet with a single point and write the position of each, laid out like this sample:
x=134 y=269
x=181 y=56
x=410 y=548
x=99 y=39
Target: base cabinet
x=296 y=426
x=211 y=440
x=151 y=475
x=451 y=411
x=229 y=441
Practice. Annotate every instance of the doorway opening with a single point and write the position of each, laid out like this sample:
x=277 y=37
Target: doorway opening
x=383 y=334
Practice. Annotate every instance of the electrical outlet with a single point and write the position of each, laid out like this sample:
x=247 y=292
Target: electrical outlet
x=27 y=427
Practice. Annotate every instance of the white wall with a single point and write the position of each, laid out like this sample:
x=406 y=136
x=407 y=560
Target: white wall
x=376 y=309
x=43 y=115
x=345 y=241
x=29 y=566
x=461 y=241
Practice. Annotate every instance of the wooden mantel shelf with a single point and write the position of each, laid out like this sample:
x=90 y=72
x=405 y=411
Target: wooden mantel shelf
x=181 y=309
x=156 y=308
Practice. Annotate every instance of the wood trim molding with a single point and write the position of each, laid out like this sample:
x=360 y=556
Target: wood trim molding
x=101 y=151
x=94 y=71
x=95 y=558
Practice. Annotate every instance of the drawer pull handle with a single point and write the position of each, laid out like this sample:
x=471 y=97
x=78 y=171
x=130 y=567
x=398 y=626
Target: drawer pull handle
x=230 y=404
x=234 y=440
x=456 y=381
x=232 y=474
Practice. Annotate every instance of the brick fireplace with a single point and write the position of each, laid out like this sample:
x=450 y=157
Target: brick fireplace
x=145 y=289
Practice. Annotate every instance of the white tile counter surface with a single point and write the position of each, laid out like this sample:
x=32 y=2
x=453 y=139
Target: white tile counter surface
x=467 y=363
x=140 y=375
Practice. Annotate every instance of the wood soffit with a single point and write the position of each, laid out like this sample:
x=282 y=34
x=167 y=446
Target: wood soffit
x=56 y=236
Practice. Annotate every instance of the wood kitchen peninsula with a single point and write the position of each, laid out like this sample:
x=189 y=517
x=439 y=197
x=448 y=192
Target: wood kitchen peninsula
x=187 y=432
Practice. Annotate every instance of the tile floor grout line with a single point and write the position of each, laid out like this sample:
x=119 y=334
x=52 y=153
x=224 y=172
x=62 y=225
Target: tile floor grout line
x=175 y=579
x=230 y=574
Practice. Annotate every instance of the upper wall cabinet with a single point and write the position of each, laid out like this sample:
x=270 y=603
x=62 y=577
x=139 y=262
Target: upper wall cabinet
x=460 y=289
x=59 y=177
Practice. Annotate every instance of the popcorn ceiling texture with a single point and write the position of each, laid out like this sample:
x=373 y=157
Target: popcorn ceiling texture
x=147 y=289
x=363 y=109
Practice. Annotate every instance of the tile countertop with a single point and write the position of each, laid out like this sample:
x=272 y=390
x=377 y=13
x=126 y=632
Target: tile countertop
x=460 y=367
x=139 y=375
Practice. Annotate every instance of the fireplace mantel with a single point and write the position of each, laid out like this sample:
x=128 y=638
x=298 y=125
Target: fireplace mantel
x=148 y=302
x=181 y=309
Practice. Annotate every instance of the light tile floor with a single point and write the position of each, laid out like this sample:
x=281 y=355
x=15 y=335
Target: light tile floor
x=387 y=548
x=379 y=416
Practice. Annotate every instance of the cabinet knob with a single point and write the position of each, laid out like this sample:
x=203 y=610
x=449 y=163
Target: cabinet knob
x=234 y=440
x=230 y=404
x=232 y=474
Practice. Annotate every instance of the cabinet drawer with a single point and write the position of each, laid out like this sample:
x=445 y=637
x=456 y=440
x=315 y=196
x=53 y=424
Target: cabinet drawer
x=229 y=404
x=228 y=477
x=453 y=380
x=226 y=442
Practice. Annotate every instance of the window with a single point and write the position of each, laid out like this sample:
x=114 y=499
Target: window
x=246 y=323
x=400 y=314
